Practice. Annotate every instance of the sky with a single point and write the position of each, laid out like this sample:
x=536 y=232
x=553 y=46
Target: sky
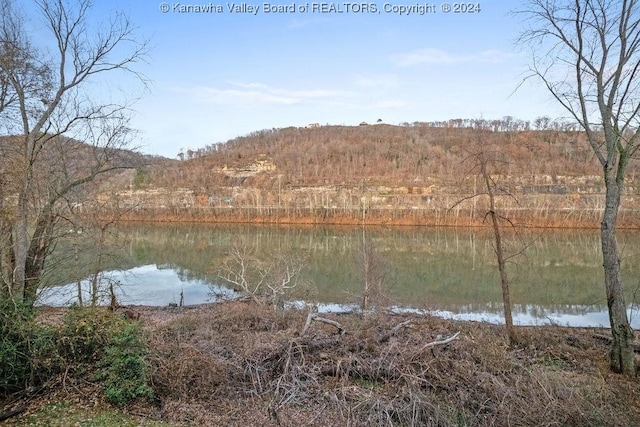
x=214 y=76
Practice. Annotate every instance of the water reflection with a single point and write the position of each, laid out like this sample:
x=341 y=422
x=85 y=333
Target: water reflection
x=144 y=285
x=557 y=279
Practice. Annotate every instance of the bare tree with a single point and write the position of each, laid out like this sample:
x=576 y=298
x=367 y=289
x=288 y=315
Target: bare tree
x=60 y=135
x=270 y=282
x=374 y=270
x=483 y=159
x=587 y=54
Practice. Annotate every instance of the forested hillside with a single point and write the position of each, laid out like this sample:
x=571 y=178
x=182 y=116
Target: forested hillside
x=379 y=154
x=345 y=170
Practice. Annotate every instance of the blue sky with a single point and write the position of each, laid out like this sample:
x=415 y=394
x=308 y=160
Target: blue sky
x=215 y=76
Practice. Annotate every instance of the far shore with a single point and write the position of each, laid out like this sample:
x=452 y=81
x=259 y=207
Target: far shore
x=524 y=219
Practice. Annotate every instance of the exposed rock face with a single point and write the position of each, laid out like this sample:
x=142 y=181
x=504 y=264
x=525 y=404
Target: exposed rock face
x=261 y=164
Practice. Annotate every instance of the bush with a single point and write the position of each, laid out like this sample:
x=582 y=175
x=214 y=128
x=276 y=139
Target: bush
x=90 y=343
x=123 y=368
x=26 y=349
x=93 y=337
x=86 y=332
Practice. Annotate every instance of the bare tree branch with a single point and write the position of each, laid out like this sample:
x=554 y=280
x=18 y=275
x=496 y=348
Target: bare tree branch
x=44 y=104
x=599 y=41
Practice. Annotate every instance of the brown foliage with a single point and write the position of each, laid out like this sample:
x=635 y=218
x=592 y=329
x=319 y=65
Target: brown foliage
x=379 y=174
x=379 y=155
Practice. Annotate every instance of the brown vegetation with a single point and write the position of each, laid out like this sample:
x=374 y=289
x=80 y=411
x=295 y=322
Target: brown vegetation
x=239 y=363
x=380 y=174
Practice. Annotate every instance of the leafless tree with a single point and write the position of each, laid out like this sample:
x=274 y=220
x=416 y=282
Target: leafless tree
x=587 y=54
x=60 y=133
x=264 y=281
x=482 y=159
x=374 y=270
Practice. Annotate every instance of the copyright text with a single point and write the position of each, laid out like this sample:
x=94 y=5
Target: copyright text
x=319 y=7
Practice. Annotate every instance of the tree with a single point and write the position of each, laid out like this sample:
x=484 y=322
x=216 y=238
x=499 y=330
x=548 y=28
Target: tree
x=587 y=54
x=60 y=133
x=483 y=160
x=265 y=282
x=374 y=270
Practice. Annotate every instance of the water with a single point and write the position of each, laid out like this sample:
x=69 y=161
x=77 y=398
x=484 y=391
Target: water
x=557 y=278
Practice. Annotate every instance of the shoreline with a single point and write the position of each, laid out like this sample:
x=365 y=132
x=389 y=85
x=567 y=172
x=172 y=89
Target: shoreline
x=197 y=217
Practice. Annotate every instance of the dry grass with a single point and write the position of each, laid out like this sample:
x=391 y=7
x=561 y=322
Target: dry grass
x=241 y=364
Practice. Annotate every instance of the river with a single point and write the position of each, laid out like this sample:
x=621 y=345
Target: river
x=555 y=275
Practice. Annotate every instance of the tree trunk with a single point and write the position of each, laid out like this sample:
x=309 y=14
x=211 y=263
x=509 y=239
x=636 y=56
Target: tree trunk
x=6 y=249
x=21 y=245
x=37 y=254
x=21 y=231
x=504 y=281
x=622 y=359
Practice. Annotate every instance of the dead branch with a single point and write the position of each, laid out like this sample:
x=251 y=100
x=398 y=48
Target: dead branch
x=609 y=340
x=314 y=316
x=12 y=413
x=385 y=337
x=324 y=343
x=440 y=342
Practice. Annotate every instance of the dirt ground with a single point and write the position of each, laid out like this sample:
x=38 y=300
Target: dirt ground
x=239 y=364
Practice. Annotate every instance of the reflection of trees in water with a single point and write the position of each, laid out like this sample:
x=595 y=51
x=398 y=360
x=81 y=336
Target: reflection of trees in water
x=427 y=266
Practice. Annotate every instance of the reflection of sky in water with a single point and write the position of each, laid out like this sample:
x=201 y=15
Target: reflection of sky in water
x=144 y=285
x=522 y=315
x=598 y=318
x=153 y=286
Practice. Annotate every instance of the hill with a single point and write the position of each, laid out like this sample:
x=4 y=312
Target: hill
x=380 y=173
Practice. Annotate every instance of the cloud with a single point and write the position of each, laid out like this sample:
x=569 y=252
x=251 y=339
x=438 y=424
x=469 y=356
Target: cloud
x=433 y=56
x=242 y=94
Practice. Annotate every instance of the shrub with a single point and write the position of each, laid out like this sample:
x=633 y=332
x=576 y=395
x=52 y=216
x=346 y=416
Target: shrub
x=123 y=368
x=26 y=349
x=91 y=342
x=96 y=337
x=85 y=333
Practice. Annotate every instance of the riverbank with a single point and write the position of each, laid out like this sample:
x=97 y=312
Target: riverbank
x=239 y=363
x=521 y=217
